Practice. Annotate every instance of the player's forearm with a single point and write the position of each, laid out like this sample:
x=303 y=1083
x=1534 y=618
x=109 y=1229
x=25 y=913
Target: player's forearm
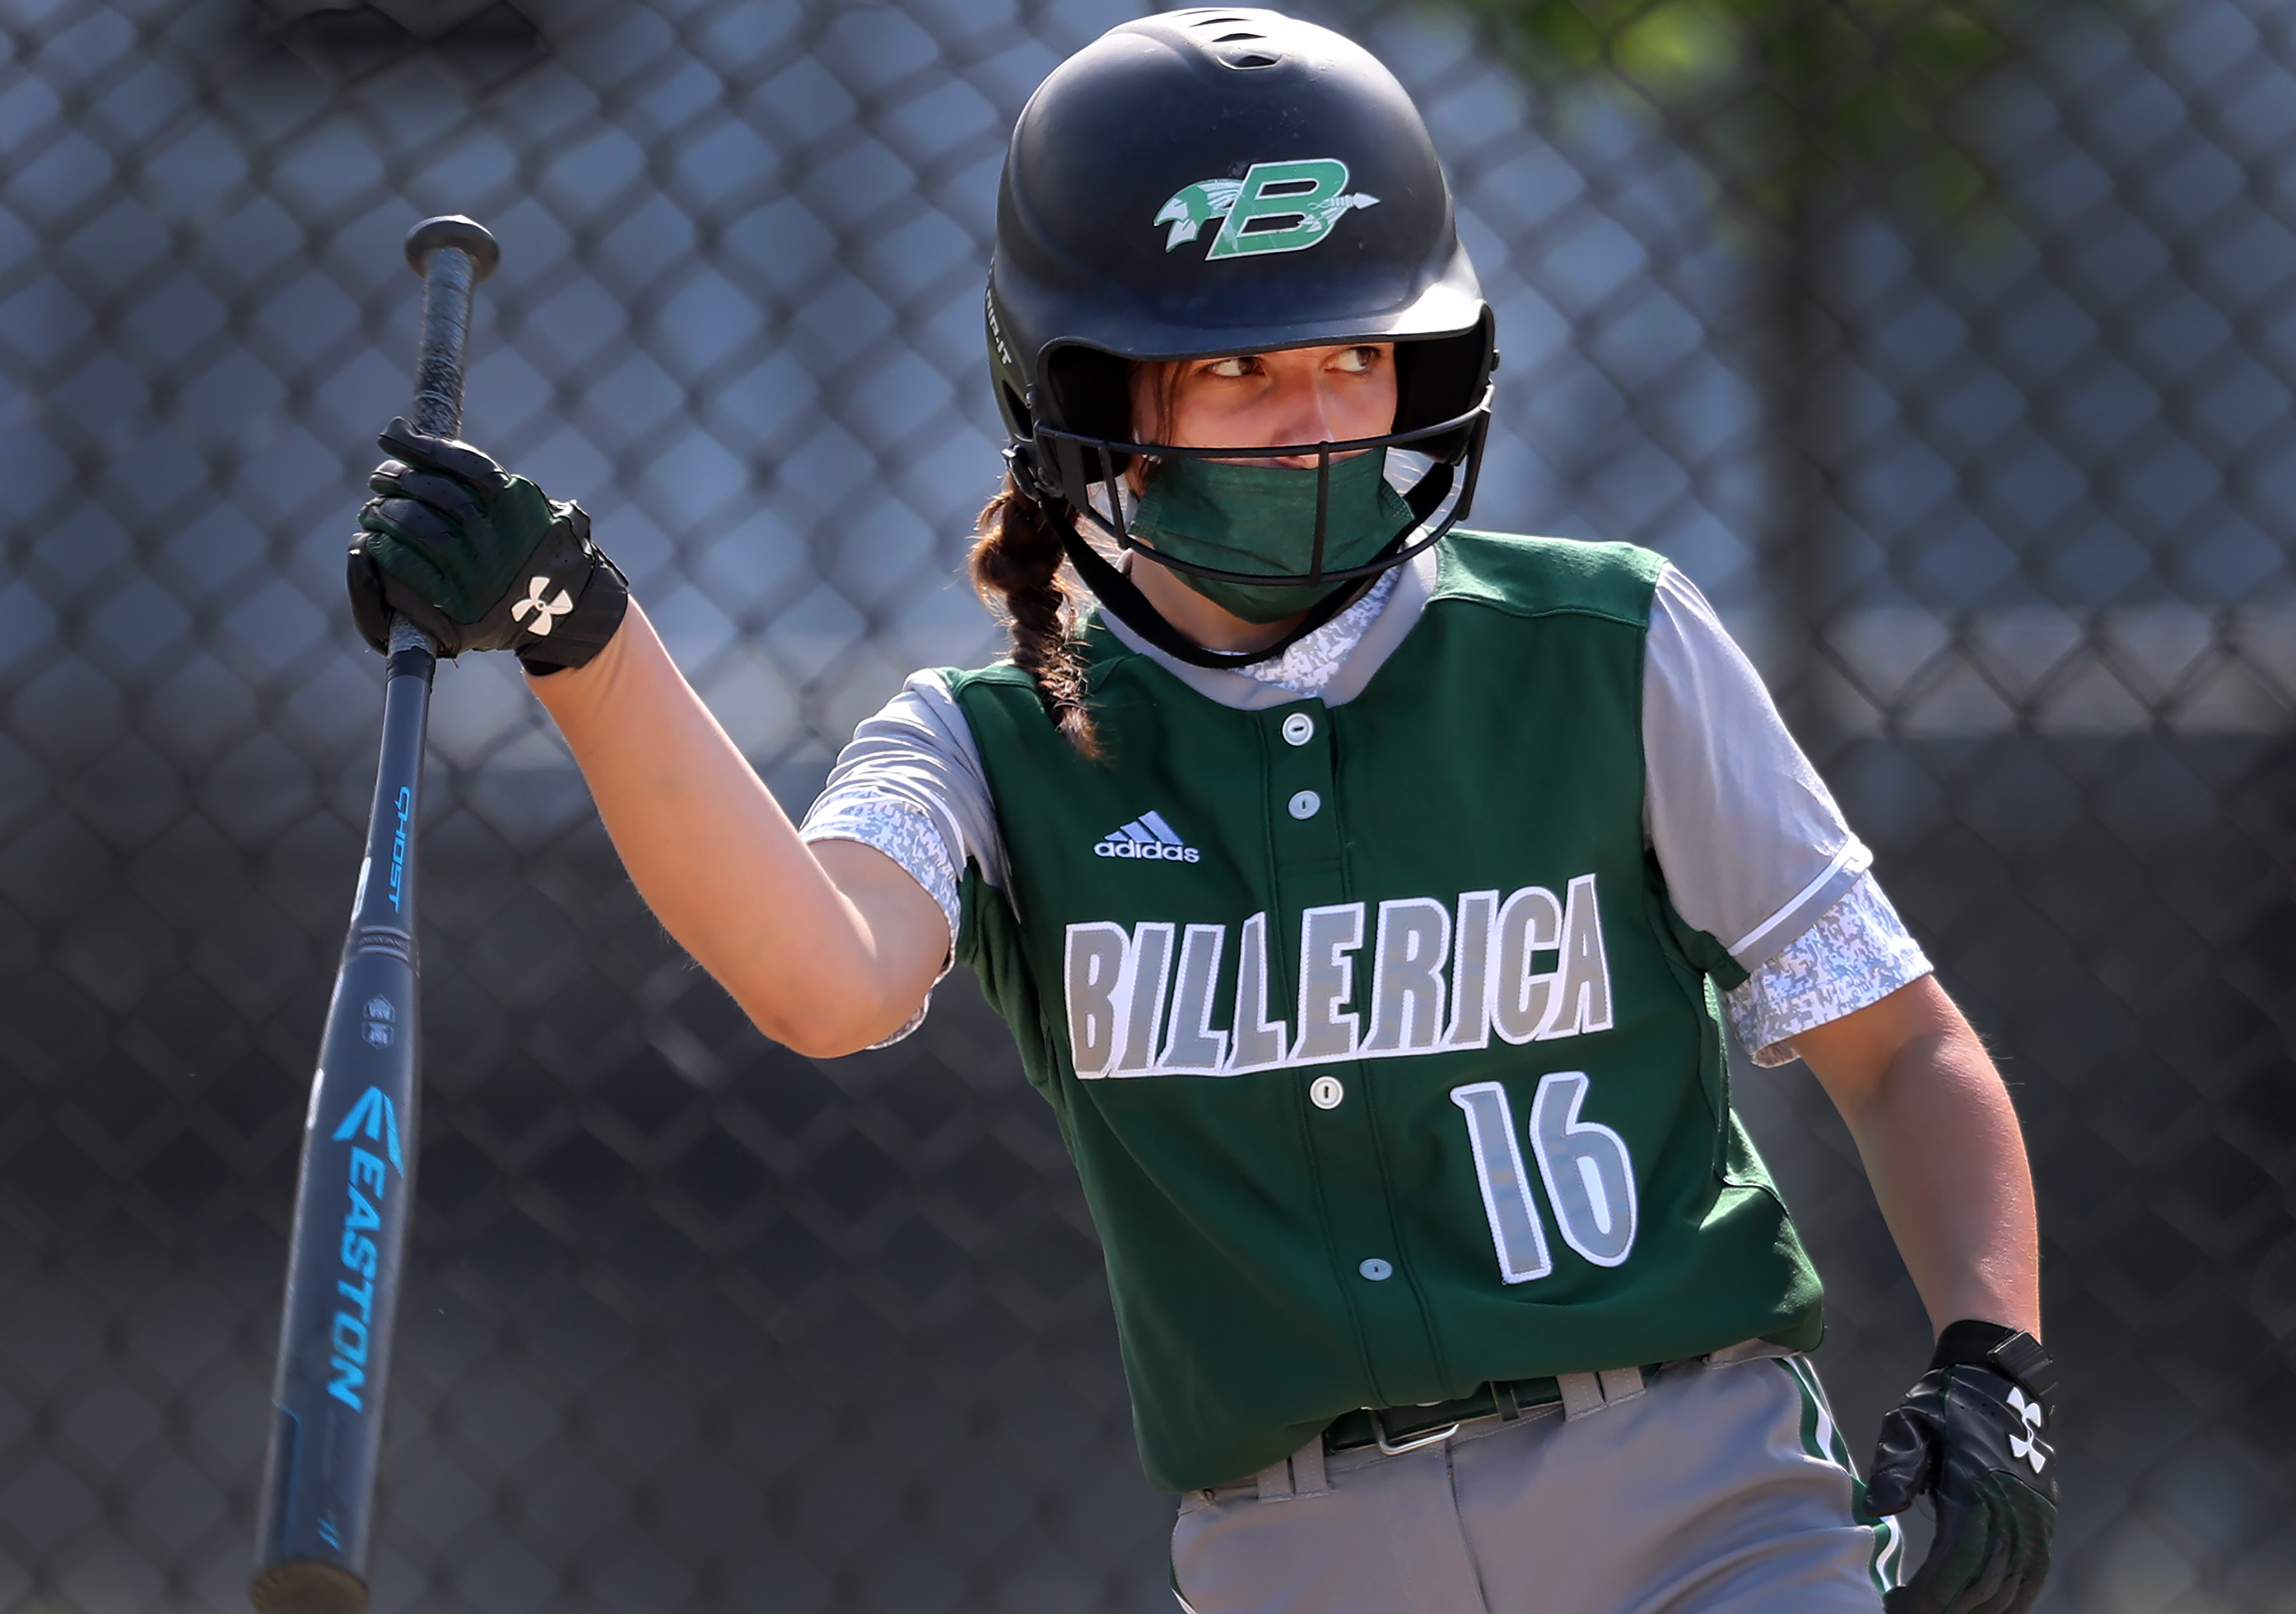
x=1942 y=1149
x=715 y=856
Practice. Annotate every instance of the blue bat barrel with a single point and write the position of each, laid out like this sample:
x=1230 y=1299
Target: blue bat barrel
x=355 y=1198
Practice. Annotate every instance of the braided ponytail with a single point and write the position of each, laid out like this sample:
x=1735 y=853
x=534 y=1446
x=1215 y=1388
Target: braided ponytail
x=1016 y=569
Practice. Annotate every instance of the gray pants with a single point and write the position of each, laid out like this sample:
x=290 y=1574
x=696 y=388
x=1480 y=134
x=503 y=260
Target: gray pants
x=1714 y=1490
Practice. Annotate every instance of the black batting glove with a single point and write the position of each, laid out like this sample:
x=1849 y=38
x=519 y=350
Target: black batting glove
x=479 y=559
x=1975 y=1435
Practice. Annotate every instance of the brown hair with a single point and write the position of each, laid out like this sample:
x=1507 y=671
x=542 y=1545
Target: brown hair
x=1016 y=569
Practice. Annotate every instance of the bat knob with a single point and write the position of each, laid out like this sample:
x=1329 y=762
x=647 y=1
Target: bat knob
x=305 y=1585
x=465 y=235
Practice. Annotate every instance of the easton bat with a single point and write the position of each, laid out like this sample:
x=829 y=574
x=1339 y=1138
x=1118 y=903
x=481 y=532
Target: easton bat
x=355 y=1195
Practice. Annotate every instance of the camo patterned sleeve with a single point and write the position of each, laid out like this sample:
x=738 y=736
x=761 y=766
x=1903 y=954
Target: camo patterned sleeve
x=899 y=827
x=906 y=833
x=910 y=785
x=1857 y=952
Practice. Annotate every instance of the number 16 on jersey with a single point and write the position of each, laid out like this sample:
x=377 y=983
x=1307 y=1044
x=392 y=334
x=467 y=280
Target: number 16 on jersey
x=1584 y=1166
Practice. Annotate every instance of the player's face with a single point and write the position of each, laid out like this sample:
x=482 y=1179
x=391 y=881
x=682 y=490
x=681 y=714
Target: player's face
x=1248 y=400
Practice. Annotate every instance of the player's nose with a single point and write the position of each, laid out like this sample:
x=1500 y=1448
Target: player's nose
x=1305 y=413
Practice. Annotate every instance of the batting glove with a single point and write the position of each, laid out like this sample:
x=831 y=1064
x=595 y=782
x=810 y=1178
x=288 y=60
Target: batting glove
x=479 y=559
x=1975 y=1435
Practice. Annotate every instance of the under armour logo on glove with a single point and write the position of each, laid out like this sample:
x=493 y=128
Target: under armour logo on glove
x=542 y=610
x=479 y=559
x=1968 y=1436
x=2028 y=1445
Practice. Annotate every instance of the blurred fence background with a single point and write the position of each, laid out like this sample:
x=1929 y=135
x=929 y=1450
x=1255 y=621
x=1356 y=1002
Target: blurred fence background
x=693 y=1323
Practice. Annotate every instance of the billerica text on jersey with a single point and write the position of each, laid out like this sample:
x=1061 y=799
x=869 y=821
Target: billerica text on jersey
x=1444 y=976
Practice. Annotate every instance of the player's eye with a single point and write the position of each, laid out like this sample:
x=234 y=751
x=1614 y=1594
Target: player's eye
x=1355 y=361
x=1234 y=366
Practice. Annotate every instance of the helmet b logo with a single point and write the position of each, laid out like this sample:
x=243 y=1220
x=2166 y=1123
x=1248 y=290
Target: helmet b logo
x=1277 y=207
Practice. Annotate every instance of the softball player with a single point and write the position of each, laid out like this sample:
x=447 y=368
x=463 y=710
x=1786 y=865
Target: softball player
x=1361 y=893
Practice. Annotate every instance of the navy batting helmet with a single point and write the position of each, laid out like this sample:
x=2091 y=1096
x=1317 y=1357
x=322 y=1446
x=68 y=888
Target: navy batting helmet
x=1221 y=181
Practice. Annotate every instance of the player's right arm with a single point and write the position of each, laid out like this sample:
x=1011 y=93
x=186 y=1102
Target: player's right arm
x=828 y=947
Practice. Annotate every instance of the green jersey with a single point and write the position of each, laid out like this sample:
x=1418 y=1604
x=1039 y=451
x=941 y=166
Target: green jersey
x=1387 y=1064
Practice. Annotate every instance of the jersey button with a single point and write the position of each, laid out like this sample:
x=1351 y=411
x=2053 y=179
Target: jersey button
x=1299 y=728
x=1326 y=1092
x=1306 y=804
x=1376 y=1270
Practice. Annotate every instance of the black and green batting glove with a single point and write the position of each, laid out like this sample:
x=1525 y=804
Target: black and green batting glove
x=1976 y=1436
x=479 y=559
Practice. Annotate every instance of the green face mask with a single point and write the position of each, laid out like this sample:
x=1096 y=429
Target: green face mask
x=1262 y=519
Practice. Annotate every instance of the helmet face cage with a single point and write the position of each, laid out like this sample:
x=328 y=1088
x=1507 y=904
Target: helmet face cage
x=1202 y=183
x=1082 y=467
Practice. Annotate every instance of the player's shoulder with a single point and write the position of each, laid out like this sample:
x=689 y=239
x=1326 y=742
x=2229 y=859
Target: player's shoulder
x=1101 y=654
x=1545 y=576
x=999 y=674
x=1002 y=698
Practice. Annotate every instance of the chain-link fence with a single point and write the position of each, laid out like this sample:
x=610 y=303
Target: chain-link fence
x=695 y=1323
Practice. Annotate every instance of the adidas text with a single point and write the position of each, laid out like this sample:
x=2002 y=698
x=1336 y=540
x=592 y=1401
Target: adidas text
x=1148 y=849
x=1147 y=837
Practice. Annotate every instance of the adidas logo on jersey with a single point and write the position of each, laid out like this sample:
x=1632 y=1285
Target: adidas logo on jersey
x=1147 y=837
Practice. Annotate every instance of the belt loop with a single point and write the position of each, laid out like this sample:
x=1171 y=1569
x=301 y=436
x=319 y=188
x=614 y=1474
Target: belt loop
x=1503 y=1397
x=1620 y=1384
x=1582 y=1395
x=1308 y=1477
x=1301 y=1474
x=1276 y=1481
